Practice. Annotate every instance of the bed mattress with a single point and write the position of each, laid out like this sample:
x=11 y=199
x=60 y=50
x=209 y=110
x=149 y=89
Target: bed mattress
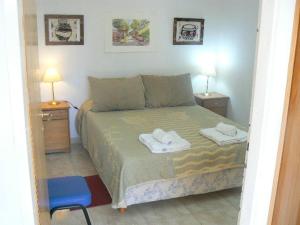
x=125 y=164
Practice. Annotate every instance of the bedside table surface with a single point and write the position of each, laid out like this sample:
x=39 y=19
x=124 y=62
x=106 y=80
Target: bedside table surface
x=61 y=105
x=213 y=95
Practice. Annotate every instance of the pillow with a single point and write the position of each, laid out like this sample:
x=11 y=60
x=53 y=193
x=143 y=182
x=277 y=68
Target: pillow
x=110 y=94
x=164 y=91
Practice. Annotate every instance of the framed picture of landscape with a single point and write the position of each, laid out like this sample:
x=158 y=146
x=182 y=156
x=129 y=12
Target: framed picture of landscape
x=64 y=29
x=129 y=33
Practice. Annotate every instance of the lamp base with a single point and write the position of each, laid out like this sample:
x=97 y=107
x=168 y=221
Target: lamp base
x=206 y=94
x=53 y=103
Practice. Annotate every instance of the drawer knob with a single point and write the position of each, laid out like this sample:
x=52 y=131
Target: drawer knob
x=46 y=115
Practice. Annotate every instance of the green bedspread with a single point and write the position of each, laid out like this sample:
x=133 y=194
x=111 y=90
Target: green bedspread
x=122 y=161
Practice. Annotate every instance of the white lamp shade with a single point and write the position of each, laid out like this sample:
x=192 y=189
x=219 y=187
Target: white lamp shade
x=209 y=70
x=52 y=75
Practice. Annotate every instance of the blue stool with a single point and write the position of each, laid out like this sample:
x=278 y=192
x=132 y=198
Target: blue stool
x=67 y=193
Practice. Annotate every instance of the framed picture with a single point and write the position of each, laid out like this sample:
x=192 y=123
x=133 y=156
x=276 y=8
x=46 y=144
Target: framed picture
x=188 y=31
x=129 y=33
x=64 y=29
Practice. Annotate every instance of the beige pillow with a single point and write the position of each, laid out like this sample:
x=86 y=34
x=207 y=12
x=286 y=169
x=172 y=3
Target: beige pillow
x=164 y=91
x=110 y=94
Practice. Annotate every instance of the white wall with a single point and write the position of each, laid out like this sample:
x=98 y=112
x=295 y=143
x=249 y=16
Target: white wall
x=237 y=46
x=222 y=32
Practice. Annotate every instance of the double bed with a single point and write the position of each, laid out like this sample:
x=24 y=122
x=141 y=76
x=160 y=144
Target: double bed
x=133 y=175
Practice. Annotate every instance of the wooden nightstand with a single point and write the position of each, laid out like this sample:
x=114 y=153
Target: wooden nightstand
x=56 y=127
x=215 y=102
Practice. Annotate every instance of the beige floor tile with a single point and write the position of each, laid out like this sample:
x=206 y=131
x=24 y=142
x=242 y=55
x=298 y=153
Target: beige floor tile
x=217 y=217
x=177 y=220
x=77 y=162
x=204 y=202
x=59 y=165
x=68 y=218
x=232 y=196
x=161 y=210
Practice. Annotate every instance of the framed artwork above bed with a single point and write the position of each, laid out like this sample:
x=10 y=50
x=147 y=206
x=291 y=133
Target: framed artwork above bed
x=130 y=32
x=64 y=29
x=188 y=31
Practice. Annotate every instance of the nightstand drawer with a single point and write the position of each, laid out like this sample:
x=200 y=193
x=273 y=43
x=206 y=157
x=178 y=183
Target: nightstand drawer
x=219 y=110
x=212 y=103
x=55 y=114
x=56 y=135
x=56 y=127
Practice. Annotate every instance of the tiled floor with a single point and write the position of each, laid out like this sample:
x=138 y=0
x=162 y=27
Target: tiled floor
x=220 y=208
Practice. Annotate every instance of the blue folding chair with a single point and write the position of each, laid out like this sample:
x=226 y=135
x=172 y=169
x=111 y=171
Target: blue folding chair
x=68 y=193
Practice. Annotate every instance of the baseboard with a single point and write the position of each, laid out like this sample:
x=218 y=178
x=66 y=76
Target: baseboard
x=75 y=140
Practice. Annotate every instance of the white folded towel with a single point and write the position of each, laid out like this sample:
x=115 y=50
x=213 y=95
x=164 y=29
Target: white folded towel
x=178 y=143
x=222 y=139
x=226 y=129
x=162 y=136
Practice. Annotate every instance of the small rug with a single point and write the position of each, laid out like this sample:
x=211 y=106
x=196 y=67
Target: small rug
x=100 y=195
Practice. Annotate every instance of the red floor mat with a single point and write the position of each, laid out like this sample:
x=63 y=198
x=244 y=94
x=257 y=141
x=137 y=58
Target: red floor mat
x=100 y=195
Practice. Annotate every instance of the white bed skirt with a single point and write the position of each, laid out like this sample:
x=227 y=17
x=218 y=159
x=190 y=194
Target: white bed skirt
x=179 y=187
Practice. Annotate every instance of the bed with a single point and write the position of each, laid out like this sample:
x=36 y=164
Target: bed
x=134 y=175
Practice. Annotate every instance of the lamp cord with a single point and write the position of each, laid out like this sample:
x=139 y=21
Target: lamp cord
x=73 y=106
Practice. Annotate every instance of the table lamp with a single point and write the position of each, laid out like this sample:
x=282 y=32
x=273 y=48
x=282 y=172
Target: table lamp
x=208 y=71
x=52 y=76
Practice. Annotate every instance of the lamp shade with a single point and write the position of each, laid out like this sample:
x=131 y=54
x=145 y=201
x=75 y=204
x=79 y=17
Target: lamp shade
x=209 y=70
x=52 y=75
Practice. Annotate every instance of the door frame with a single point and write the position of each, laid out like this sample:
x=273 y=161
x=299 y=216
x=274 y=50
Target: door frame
x=268 y=111
x=273 y=72
x=18 y=201
x=283 y=197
